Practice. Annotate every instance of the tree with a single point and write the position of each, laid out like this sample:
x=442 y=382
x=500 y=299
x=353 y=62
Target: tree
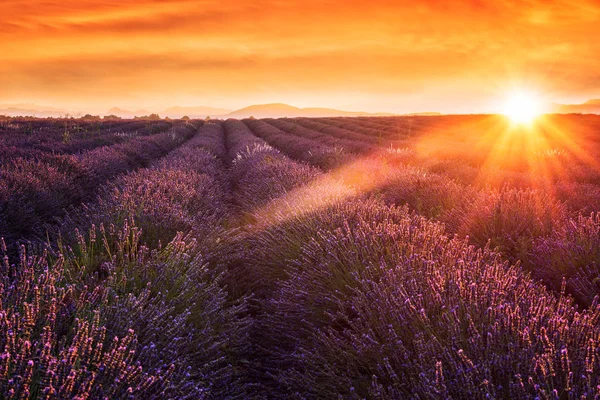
x=152 y=117
x=90 y=117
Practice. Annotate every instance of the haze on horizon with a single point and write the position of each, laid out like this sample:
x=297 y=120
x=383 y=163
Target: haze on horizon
x=387 y=56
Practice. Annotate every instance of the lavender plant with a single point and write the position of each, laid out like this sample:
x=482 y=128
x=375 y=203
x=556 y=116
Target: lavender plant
x=35 y=191
x=510 y=219
x=53 y=343
x=571 y=252
x=297 y=148
x=207 y=262
x=392 y=308
x=260 y=173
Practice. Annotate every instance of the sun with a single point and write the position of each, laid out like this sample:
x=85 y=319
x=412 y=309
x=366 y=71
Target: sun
x=522 y=107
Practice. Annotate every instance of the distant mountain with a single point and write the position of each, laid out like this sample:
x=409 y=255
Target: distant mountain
x=172 y=112
x=31 y=106
x=24 y=112
x=193 y=112
x=275 y=110
x=32 y=110
x=589 y=107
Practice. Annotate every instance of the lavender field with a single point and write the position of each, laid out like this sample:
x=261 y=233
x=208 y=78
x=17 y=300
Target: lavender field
x=413 y=257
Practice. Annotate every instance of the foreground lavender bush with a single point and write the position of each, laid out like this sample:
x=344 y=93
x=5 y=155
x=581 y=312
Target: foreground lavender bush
x=53 y=343
x=172 y=299
x=391 y=308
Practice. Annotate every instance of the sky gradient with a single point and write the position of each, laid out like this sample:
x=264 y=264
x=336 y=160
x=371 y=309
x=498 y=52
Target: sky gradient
x=391 y=56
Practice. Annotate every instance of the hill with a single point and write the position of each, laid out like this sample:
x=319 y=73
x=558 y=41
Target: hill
x=193 y=112
x=272 y=110
x=119 y=112
x=275 y=110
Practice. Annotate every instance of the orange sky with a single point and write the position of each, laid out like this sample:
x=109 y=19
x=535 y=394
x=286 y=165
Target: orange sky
x=384 y=56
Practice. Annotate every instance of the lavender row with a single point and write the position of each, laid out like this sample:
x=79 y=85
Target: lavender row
x=345 y=145
x=379 y=126
x=356 y=125
x=108 y=161
x=35 y=191
x=261 y=177
x=524 y=224
x=260 y=173
x=188 y=184
x=240 y=141
x=508 y=219
x=341 y=133
x=299 y=148
x=143 y=258
x=374 y=302
x=71 y=136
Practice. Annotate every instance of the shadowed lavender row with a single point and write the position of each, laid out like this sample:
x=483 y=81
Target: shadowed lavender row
x=30 y=137
x=34 y=191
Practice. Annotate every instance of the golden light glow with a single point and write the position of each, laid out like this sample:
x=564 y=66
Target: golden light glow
x=484 y=153
x=522 y=107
